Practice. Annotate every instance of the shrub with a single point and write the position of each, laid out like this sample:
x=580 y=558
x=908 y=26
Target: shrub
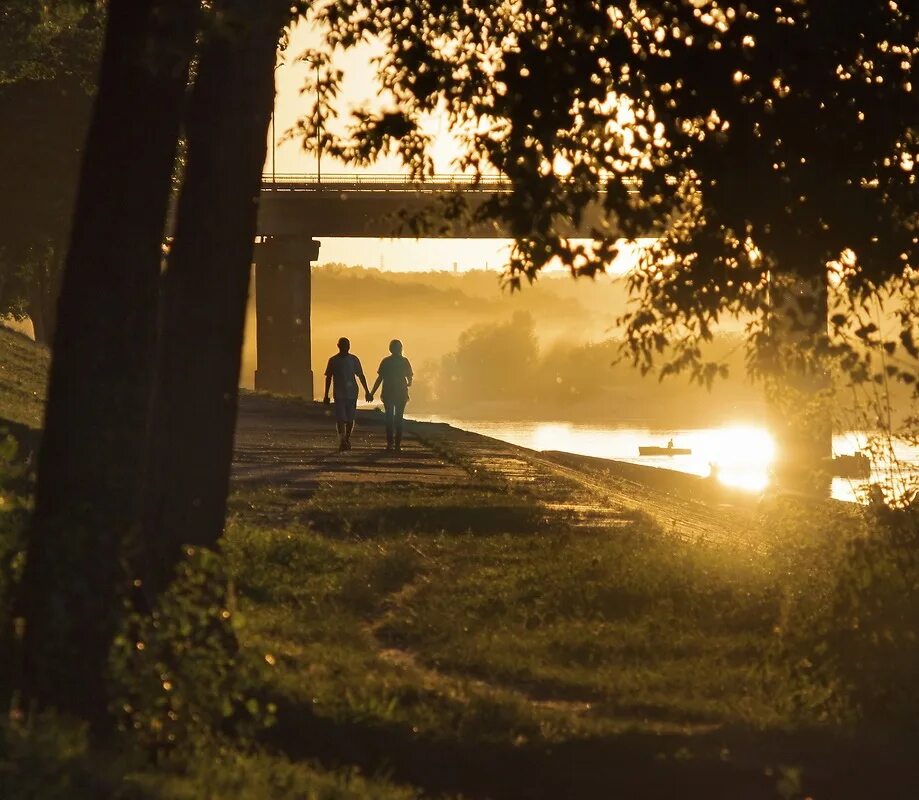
x=50 y=759
x=179 y=674
x=874 y=643
x=852 y=633
x=13 y=518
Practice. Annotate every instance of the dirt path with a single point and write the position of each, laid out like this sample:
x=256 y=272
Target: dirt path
x=293 y=444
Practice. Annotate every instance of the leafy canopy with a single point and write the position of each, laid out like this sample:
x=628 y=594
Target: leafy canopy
x=40 y=40
x=49 y=56
x=756 y=138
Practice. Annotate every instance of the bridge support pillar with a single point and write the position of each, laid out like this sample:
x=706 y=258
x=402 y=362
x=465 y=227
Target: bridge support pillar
x=282 y=307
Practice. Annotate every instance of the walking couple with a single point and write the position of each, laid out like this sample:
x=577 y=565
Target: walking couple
x=343 y=373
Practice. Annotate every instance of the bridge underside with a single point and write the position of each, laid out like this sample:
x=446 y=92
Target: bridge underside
x=374 y=214
x=384 y=211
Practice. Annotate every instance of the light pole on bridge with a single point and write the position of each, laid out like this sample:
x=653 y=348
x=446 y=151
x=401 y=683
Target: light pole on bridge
x=274 y=140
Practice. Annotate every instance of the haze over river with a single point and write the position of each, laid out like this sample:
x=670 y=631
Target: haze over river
x=742 y=454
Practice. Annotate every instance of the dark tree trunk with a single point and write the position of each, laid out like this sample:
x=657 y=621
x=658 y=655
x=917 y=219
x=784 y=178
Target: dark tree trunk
x=799 y=388
x=206 y=286
x=38 y=310
x=43 y=295
x=92 y=451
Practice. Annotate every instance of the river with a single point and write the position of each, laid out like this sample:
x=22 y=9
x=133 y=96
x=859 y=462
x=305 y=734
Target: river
x=741 y=454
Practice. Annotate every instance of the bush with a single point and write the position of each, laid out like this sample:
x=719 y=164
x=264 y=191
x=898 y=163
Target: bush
x=875 y=641
x=179 y=674
x=50 y=759
x=13 y=518
x=853 y=634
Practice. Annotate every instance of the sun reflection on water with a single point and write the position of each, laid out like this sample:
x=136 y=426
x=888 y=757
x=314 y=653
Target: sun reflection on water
x=739 y=455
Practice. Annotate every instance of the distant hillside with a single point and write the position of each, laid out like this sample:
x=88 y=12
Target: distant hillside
x=363 y=290
x=23 y=379
x=473 y=294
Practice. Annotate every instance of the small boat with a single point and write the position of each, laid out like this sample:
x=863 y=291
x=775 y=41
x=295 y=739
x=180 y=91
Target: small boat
x=856 y=465
x=669 y=450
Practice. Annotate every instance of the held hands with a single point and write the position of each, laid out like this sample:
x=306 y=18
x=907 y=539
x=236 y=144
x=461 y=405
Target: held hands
x=369 y=397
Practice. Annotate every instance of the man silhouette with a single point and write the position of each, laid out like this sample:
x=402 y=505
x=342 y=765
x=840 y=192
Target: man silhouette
x=343 y=372
x=395 y=374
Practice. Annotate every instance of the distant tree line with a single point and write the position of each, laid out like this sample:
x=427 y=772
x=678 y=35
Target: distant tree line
x=48 y=63
x=500 y=370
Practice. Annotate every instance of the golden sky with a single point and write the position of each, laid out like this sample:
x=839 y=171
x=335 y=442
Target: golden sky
x=359 y=86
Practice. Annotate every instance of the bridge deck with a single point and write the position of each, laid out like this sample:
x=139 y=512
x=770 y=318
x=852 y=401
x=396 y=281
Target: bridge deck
x=291 y=182
x=378 y=206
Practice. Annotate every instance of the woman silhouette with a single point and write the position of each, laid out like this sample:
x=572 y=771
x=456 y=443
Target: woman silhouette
x=395 y=373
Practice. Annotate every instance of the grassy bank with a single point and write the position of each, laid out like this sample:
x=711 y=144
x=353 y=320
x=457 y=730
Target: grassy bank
x=23 y=374
x=49 y=757
x=556 y=632
x=472 y=625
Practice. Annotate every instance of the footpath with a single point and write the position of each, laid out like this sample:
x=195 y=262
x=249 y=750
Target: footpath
x=293 y=444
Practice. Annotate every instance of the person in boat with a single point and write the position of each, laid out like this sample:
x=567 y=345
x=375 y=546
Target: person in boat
x=395 y=374
x=342 y=374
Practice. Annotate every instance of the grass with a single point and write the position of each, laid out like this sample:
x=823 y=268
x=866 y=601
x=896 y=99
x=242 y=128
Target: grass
x=471 y=641
x=528 y=644
x=52 y=760
x=424 y=641
x=49 y=758
x=630 y=630
x=23 y=375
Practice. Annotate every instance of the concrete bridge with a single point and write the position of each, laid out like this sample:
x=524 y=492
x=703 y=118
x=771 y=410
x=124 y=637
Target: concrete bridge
x=295 y=211
x=367 y=205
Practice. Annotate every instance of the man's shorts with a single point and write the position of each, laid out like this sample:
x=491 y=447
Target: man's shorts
x=345 y=409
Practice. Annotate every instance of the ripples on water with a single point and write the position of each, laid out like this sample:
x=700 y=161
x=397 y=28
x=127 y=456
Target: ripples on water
x=741 y=454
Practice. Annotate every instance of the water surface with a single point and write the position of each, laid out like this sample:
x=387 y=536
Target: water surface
x=740 y=454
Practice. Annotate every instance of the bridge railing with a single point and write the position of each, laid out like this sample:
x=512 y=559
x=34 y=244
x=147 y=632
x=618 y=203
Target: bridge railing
x=311 y=182
x=306 y=182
